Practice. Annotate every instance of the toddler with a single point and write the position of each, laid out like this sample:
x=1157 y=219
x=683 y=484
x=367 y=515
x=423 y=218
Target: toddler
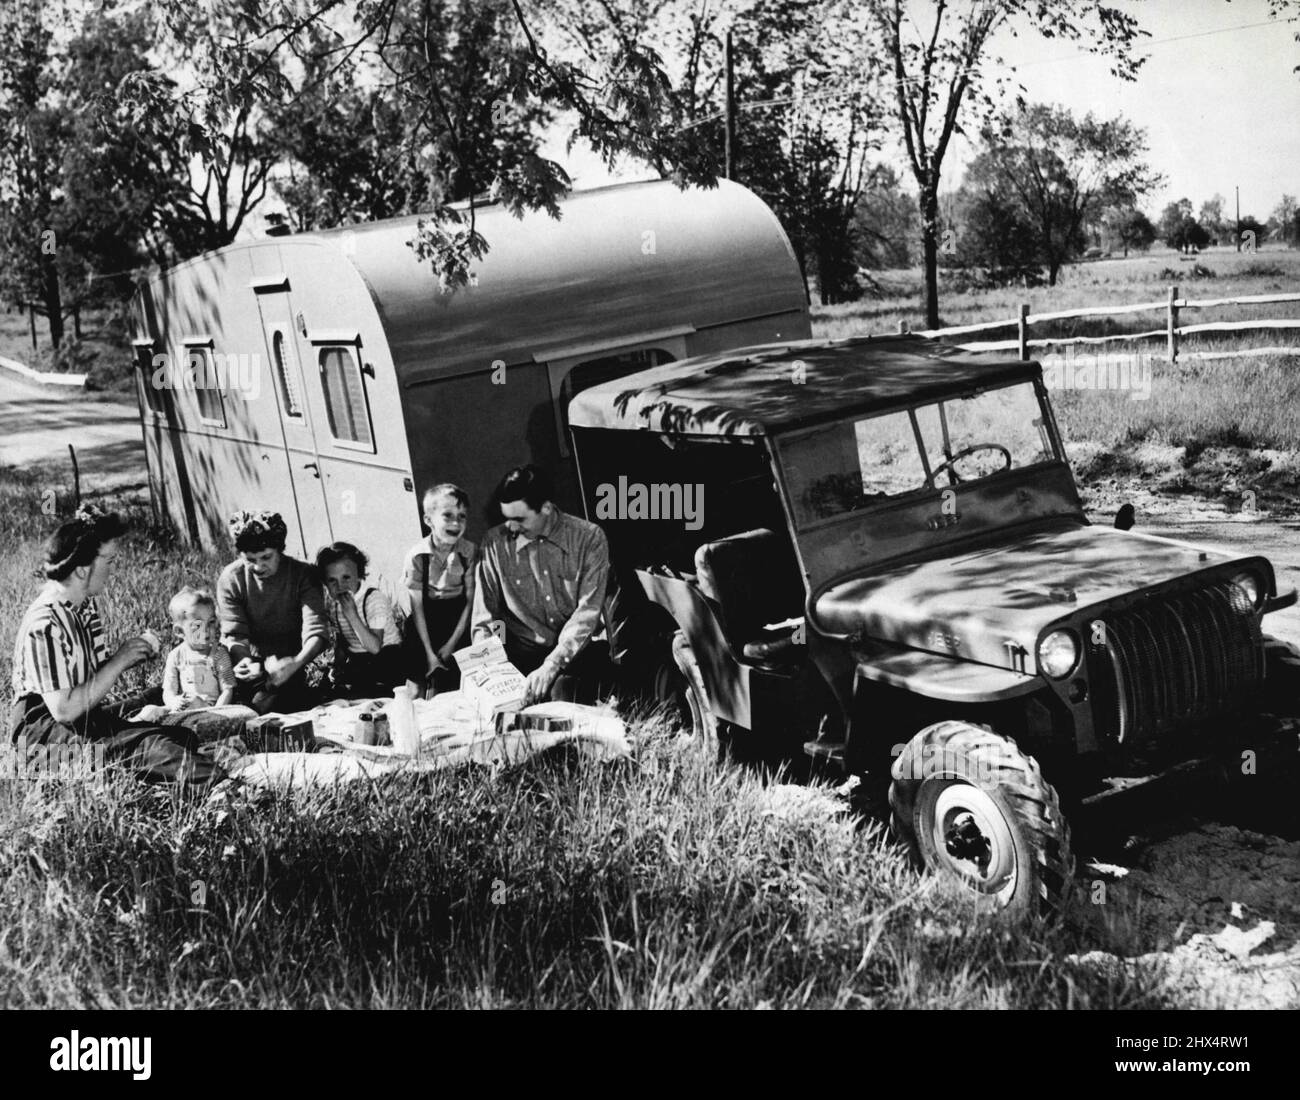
x=198 y=671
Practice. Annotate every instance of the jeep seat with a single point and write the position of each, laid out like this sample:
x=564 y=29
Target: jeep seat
x=753 y=579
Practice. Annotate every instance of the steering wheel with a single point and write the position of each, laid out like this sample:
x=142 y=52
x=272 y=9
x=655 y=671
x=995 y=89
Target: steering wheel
x=966 y=452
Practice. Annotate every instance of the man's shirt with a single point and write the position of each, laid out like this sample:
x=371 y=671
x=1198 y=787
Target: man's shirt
x=549 y=591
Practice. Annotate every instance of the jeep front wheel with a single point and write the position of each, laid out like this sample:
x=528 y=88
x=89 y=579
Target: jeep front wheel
x=679 y=689
x=969 y=803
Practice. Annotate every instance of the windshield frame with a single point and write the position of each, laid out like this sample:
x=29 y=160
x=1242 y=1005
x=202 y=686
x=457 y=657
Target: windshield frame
x=780 y=448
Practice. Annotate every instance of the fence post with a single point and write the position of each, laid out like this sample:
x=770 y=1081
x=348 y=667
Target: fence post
x=1022 y=326
x=1171 y=329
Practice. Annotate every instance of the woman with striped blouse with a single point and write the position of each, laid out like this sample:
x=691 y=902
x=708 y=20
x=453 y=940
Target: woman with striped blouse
x=62 y=669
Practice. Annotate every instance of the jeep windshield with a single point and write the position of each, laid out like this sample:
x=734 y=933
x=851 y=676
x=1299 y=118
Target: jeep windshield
x=857 y=464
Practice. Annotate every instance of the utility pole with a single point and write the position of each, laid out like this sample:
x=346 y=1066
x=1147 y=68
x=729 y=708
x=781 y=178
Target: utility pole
x=1237 y=234
x=730 y=114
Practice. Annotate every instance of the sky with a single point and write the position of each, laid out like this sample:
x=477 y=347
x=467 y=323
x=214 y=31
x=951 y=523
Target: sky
x=1218 y=98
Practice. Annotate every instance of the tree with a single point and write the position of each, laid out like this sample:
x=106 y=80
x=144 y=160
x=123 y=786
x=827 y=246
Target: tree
x=32 y=142
x=886 y=222
x=1286 y=214
x=945 y=71
x=116 y=217
x=1130 y=228
x=1178 y=229
x=1211 y=219
x=1060 y=173
x=623 y=104
x=807 y=113
x=996 y=234
x=206 y=128
x=357 y=154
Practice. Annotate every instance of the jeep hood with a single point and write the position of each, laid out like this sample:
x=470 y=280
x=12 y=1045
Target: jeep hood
x=974 y=605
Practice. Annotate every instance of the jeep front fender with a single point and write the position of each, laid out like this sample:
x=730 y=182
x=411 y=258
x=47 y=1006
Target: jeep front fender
x=943 y=678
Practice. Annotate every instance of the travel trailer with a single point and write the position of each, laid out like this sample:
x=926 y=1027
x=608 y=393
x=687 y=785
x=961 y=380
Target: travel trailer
x=326 y=376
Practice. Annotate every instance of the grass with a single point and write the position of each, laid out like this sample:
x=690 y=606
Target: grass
x=667 y=881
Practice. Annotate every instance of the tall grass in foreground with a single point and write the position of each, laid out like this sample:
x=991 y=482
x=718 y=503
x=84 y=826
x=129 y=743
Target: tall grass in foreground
x=662 y=883
x=666 y=881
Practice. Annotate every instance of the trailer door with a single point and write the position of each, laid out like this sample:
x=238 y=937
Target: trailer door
x=285 y=357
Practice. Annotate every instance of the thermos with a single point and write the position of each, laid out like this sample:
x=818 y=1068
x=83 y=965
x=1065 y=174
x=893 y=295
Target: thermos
x=401 y=721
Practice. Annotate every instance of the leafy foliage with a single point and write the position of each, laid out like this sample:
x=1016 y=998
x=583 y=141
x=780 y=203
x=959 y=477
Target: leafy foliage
x=1057 y=174
x=945 y=73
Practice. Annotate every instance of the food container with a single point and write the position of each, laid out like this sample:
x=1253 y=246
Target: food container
x=364 y=733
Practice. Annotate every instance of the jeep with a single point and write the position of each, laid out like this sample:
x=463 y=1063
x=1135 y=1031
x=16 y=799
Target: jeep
x=889 y=564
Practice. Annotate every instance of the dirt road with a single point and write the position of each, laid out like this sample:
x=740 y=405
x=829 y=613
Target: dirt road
x=38 y=422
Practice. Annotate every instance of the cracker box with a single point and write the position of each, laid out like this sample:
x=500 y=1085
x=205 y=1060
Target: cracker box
x=490 y=684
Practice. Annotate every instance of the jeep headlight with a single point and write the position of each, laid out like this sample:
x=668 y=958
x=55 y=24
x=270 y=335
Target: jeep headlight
x=1057 y=653
x=1249 y=584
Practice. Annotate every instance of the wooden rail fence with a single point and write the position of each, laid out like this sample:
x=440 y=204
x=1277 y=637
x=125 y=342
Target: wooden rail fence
x=1172 y=332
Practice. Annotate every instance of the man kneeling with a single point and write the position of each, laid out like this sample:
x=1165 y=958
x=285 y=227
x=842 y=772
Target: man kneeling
x=543 y=573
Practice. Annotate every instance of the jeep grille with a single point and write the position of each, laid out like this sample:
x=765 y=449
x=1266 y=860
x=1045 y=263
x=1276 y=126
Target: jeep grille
x=1174 y=660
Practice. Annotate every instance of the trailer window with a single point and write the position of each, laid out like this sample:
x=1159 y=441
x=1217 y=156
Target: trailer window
x=345 y=396
x=288 y=384
x=153 y=388
x=207 y=386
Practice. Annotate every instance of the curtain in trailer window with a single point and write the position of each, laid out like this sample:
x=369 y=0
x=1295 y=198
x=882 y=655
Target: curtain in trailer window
x=345 y=396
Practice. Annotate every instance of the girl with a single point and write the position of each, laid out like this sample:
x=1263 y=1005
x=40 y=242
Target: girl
x=367 y=645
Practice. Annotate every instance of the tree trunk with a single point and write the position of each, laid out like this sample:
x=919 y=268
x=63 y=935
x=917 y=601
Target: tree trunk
x=1053 y=267
x=52 y=299
x=930 y=253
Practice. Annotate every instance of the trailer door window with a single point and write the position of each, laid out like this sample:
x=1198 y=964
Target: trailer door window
x=284 y=378
x=345 y=396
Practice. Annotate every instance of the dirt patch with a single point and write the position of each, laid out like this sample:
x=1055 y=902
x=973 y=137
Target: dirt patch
x=1221 y=479
x=1214 y=911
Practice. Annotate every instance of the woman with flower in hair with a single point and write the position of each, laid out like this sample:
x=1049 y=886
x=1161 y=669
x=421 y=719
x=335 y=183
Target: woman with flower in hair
x=272 y=611
x=62 y=670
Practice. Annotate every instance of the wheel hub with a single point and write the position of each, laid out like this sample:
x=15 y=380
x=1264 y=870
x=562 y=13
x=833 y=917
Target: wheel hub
x=973 y=837
x=964 y=840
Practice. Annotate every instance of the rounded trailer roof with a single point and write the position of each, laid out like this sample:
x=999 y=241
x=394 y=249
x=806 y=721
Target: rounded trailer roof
x=623 y=264
x=773 y=388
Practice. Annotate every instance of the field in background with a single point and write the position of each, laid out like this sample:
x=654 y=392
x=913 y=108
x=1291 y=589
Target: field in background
x=1204 y=423
x=1117 y=281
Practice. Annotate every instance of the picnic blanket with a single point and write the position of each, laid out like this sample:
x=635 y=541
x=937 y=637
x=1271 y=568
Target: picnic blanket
x=449 y=737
